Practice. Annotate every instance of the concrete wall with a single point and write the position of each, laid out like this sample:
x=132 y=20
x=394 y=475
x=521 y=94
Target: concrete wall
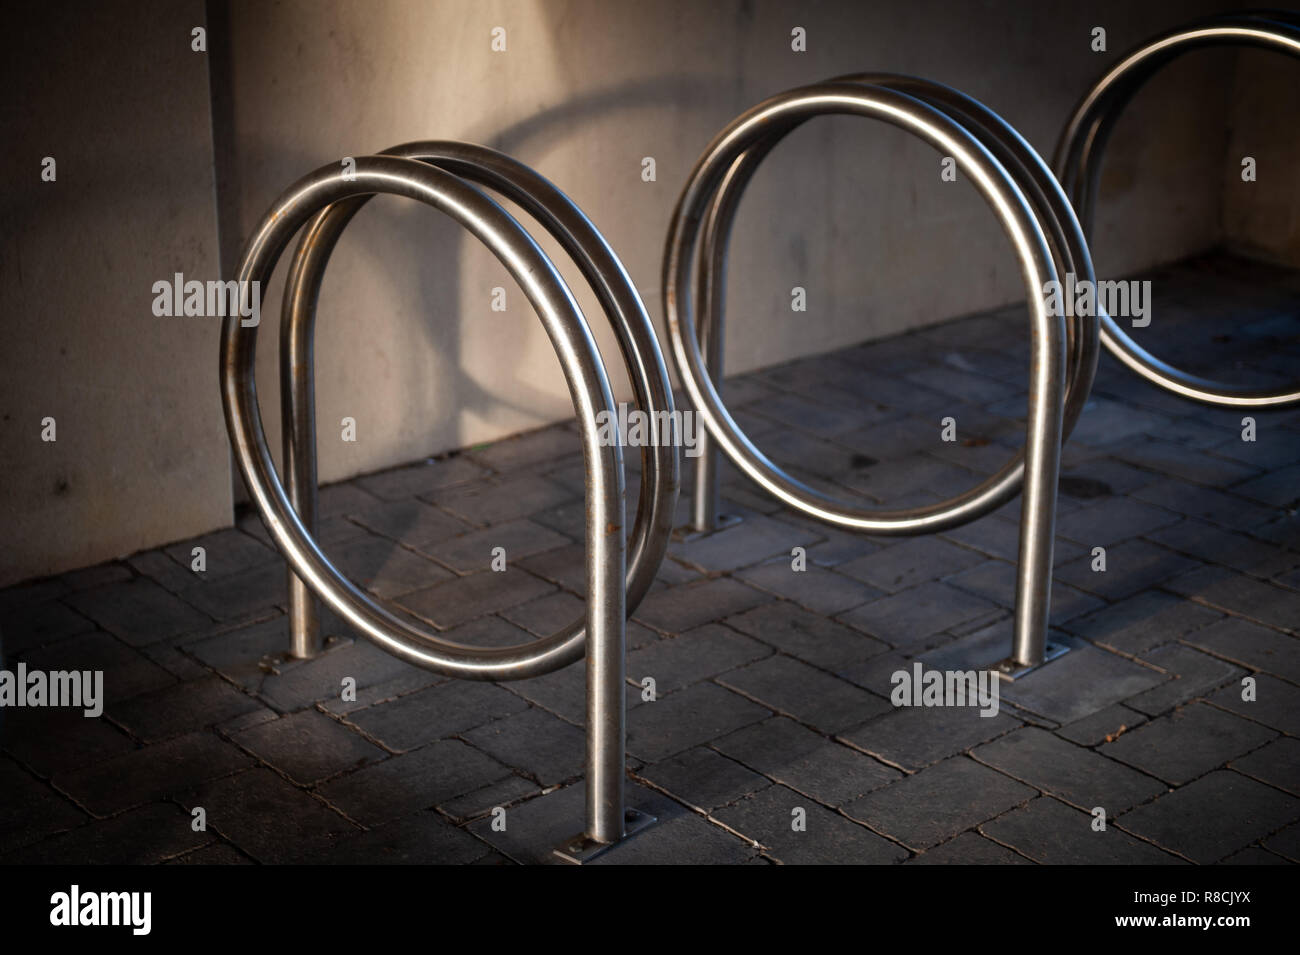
x=1262 y=218
x=118 y=98
x=853 y=211
x=408 y=344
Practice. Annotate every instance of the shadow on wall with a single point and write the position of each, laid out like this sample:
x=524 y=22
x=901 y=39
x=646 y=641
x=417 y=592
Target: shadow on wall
x=367 y=251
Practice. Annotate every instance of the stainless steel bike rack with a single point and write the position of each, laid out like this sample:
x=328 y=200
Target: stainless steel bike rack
x=440 y=174
x=1078 y=164
x=1041 y=225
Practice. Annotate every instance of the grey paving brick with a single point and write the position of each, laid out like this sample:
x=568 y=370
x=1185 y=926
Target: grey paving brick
x=1102 y=726
x=916 y=737
x=1190 y=464
x=1052 y=833
x=1265 y=603
x=143 y=836
x=1275 y=703
x=543 y=446
x=807 y=636
x=1285 y=843
x=797 y=411
x=911 y=562
x=31 y=809
x=751 y=541
x=1080 y=683
x=536 y=827
x=534 y=741
x=1001 y=539
x=138 y=611
x=802 y=760
x=293 y=684
x=1247 y=555
x=214 y=853
x=939 y=802
x=768 y=817
x=345 y=497
x=48 y=740
x=818 y=588
x=680 y=721
x=569 y=517
x=810 y=695
x=410 y=522
x=126 y=670
x=1187 y=743
x=913 y=617
x=266 y=817
x=1213 y=816
x=152 y=773
x=1193 y=674
x=995 y=580
x=1141 y=622
x=474 y=551
x=436 y=712
x=969 y=849
x=502 y=793
x=24 y=626
x=1071 y=773
x=693 y=656
x=413 y=781
x=1280 y=487
x=1277 y=764
x=545 y=615
x=494 y=631
x=225 y=552
x=1131 y=567
x=704 y=778
x=239 y=595
x=424 y=838
x=1111 y=521
x=385 y=568
x=238 y=654
x=1105 y=422
x=1255 y=856
x=423 y=478
x=1207 y=504
x=308 y=746
x=563 y=566
x=455 y=601
x=1251 y=645
x=681 y=840
x=498 y=501
x=181 y=708
x=96 y=576
x=162 y=570
x=686 y=606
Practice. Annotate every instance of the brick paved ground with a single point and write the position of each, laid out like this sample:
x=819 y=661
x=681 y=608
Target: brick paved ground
x=772 y=685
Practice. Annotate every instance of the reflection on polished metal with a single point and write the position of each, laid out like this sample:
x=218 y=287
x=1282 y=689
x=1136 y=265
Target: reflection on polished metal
x=1042 y=228
x=1078 y=164
x=324 y=201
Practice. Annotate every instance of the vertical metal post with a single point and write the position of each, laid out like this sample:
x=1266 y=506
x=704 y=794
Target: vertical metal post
x=298 y=438
x=708 y=488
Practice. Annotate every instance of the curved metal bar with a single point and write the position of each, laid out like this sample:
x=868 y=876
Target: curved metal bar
x=1078 y=161
x=726 y=159
x=1028 y=170
x=600 y=266
x=590 y=391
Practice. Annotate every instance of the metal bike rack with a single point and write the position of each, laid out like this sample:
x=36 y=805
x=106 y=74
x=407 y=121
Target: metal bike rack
x=1041 y=225
x=440 y=174
x=1078 y=164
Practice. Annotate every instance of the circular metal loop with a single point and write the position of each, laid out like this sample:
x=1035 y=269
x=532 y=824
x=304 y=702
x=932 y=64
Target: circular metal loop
x=1078 y=161
x=599 y=265
x=584 y=374
x=1012 y=179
